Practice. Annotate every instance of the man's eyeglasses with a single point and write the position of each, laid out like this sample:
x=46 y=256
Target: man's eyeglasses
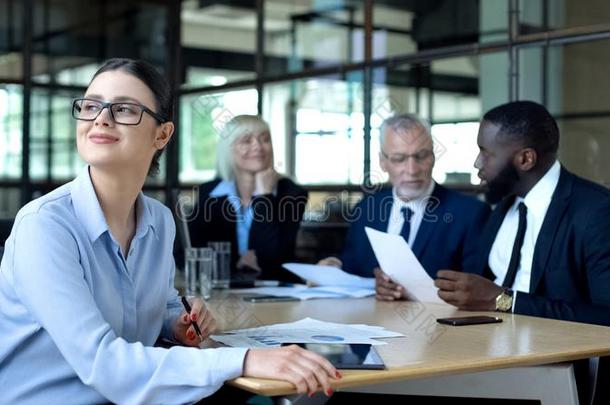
x=419 y=157
x=86 y=109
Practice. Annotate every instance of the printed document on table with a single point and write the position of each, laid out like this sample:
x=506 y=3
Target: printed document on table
x=398 y=261
x=329 y=276
x=306 y=330
x=303 y=292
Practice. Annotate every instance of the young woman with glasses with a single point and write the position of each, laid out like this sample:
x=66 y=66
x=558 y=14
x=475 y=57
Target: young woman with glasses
x=86 y=282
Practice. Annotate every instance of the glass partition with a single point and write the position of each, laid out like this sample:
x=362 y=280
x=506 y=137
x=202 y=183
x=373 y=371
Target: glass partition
x=11 y=125
x=218 y=41
x=312 y=34
x=202 y=117
x=321 y=119
x=11 y=40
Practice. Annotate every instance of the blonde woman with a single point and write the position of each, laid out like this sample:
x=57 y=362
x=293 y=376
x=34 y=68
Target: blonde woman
x=250 y=204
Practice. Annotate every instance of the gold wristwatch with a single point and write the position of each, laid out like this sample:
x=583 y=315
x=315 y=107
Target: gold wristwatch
x=504 y=301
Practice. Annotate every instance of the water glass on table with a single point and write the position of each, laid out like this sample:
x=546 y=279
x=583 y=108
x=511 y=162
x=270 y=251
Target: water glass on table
x=222 y=273
x=200 y=263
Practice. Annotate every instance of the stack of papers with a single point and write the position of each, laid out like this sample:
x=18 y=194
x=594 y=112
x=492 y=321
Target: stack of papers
x=306 y=330
x=303 y=292
x=330 y=282
x=329 y=276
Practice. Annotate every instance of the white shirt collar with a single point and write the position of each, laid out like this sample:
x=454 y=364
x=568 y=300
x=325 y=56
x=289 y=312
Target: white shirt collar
x=539 y=197
x=417 y=203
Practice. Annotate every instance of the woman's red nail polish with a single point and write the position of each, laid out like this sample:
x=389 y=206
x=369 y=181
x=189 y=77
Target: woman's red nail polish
x=194 y=317
x=329 y=392
x=338 y=374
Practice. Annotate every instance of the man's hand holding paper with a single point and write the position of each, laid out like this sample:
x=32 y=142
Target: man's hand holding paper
x=400 y=264
x=386 y=289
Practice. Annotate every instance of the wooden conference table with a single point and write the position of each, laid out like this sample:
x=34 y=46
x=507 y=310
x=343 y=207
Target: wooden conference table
x=485 y=361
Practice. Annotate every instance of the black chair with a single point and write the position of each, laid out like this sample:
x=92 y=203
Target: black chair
x=5 y=229
x=182 y=211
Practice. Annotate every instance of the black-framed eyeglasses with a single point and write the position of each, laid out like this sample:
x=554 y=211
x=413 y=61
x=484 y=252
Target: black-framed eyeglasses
x=401 y=158
x=86 y=109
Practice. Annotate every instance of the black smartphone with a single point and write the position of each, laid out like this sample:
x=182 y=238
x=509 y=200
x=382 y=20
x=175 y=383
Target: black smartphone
x=268 y=298
x=469 y=320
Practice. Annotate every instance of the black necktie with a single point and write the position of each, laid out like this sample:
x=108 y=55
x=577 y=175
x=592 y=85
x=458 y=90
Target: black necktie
x=406 y=226
x=515 y=257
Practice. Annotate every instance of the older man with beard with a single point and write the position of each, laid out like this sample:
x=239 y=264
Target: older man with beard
x=442 y=226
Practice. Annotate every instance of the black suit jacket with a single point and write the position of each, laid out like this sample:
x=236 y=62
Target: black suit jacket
x=446 y=239
x=570 y=276
x=274 y=228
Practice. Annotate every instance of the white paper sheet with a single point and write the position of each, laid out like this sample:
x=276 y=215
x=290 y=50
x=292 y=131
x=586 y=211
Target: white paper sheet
x=306 y=330
x=398 y=261
x=352 y=292
x=303 y=292
x=329 y=276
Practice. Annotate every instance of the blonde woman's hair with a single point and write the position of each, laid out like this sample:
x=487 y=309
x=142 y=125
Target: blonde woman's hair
x=237 y=127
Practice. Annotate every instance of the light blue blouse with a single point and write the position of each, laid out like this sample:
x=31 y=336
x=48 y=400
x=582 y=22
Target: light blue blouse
x=244 y=216
x=78 y=319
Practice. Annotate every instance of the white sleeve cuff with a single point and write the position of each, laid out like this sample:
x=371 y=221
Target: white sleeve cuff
x=230 y=362
x=514 y=301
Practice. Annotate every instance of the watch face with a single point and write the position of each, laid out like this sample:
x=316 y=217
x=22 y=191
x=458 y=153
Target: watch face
x=504 y=302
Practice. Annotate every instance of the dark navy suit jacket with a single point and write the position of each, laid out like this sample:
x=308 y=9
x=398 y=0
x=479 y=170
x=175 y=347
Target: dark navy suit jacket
x=446 y=239
x=274 y=227
x=570 y=276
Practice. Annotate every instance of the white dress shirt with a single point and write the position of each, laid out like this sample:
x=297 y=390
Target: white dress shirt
x=418 y=206
x=537 y=202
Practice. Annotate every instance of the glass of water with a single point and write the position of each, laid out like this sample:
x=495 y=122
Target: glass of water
x=222 y=273
x=199 y=270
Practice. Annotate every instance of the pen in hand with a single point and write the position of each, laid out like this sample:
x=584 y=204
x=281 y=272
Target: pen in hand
x=188 y=311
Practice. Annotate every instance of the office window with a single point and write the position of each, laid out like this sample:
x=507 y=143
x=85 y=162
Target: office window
x=455 y=149
x=316 y=118
x=305 y=35
x=402 y=27
x=329 y=146
x=543 y=15
x=452 y=94
x=321 y=120
x=584 y=145
x=66 y=163
x=71 y=38
x=40 y=120
x=575 y=90
x=393 y=28
x=53 y=152
x=11 y=44
x=218 y=42
x=11 y=125
x=10 y=203
x=78 y=75
x=202 y=116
